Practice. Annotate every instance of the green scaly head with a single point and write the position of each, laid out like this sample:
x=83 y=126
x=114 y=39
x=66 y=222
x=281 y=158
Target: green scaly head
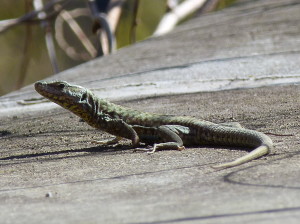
x=71 y=97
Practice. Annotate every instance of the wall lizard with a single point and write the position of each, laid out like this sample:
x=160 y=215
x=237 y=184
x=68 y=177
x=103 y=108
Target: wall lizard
x=163 y=131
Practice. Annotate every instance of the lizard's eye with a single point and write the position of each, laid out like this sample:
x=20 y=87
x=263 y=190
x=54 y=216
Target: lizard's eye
x=83 y=97
x=61 y=85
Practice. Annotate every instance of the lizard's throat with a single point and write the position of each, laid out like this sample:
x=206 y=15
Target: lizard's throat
x=86 y=107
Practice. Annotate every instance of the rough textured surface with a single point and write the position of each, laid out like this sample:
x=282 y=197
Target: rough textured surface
x=50 y=173
x=50 y=152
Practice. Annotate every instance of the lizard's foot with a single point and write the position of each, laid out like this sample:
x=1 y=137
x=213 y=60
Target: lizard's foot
x=180 y=148
x=142 y=149
x=165 y=146
x=151 y=151
x=161 y=146
x=107 y=142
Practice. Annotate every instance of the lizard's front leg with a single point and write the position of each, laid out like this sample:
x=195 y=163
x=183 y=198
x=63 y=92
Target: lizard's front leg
x=116 y=127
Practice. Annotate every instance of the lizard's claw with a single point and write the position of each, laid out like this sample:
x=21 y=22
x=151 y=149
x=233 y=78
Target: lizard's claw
x=180 y=148
x=142 y=149
x=157 y=146
x=151 y=151
x=148 y=150
x=161 y=146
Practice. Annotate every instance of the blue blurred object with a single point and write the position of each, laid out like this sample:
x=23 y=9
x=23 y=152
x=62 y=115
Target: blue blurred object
x=102 y=5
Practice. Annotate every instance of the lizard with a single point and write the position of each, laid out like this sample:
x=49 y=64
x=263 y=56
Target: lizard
x=163 y=131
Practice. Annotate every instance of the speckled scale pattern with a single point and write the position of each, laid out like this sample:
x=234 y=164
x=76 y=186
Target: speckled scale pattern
x=136 y=125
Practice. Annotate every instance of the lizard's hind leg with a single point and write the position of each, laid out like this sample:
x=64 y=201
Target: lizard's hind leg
x=171 y=139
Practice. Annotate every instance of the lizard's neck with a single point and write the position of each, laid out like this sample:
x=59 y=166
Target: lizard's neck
x=88 y=108
x=85 y=107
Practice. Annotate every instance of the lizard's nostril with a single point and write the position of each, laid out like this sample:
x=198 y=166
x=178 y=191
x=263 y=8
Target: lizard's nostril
x=38 y=86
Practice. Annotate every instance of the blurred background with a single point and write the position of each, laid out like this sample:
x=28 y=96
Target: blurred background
x=39 y=38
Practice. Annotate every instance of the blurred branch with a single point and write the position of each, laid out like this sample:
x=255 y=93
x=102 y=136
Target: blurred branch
x=107 y=29
x=31 y=17
x=134 y=22
x=42 y=15
x=178 y=13
x=68 y=18
x=171 y=4
x=102 y=27
x=113 y=17
x=209 y=5
x=114 y=13
x=26 y=50
x=106 y=35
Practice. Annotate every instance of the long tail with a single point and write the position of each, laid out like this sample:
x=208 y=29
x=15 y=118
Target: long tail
x=255 y=154
x=264 y=147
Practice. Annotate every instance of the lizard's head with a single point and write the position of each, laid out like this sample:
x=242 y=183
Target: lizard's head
x=71 y=97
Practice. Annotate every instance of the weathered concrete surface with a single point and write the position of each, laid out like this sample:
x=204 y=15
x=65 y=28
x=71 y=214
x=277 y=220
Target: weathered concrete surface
x=45 y=150
x=253 y=43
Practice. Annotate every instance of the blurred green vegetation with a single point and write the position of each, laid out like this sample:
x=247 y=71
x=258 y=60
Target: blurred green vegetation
x=148 y=16
x=224 y=3
x=21 y=41
x=14 y=41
